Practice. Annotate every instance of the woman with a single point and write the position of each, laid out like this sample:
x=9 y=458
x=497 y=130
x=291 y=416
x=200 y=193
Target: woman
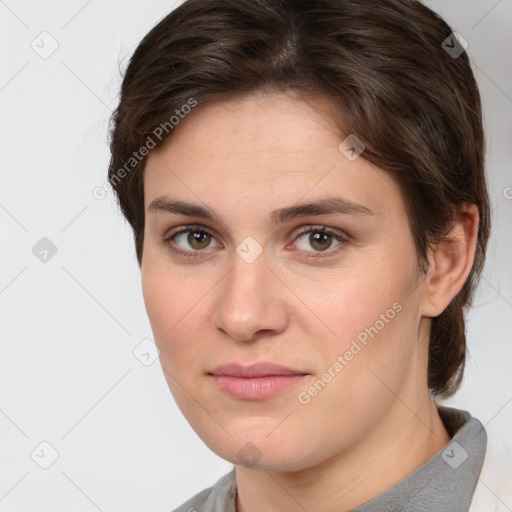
x=305 y=182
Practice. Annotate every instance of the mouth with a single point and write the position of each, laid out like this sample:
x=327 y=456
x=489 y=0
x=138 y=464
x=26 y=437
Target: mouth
x=257 y=381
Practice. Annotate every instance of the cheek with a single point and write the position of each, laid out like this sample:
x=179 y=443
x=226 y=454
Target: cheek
x=372 y=315
x=163 y=298
x=174 y=303
x=349 y=300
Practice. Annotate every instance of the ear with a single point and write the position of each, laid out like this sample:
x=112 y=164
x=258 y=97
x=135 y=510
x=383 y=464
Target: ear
x=450 y=262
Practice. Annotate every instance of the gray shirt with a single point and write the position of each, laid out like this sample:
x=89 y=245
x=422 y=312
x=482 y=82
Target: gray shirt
x=445 y=483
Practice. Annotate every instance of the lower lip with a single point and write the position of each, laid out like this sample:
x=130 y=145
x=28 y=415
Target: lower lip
x=256 y=388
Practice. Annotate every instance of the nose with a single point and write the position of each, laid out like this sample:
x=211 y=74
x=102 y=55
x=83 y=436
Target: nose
x=251 y=301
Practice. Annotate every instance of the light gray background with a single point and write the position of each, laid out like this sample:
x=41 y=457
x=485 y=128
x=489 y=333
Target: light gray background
x=69 y=326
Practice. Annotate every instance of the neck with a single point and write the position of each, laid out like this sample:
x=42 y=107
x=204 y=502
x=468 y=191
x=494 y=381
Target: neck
x=358 y=473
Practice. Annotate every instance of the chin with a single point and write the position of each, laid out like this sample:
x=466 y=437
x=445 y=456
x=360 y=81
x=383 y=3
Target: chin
x=255 y=449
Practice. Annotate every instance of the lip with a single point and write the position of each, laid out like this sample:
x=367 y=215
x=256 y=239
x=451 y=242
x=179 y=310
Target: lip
x=256 y=381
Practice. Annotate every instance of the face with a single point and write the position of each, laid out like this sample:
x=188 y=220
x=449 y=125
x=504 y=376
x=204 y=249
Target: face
x=249 y=277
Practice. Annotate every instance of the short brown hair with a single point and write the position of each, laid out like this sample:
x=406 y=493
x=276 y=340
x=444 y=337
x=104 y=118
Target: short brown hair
x=415 y=106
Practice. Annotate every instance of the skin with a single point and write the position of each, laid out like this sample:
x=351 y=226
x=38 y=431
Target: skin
x=244 y=158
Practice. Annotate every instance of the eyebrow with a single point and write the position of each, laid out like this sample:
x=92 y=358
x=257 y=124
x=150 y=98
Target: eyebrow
x=328 y=205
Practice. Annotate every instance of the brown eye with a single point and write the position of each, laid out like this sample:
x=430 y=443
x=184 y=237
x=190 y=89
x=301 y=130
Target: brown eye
x=189 y=241
x=320 y=239
x=198 y=239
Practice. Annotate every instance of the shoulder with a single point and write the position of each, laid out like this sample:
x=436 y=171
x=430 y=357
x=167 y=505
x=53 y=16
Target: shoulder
x=221 y=497
x=196 y=503
x=493 y=492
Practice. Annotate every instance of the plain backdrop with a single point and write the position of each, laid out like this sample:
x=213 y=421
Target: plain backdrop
x=73 y=395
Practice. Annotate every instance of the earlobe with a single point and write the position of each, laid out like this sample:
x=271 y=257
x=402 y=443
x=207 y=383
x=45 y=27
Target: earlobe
x=451 y=261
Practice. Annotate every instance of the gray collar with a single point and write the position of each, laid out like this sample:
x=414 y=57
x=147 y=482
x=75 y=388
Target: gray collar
x=445 y=483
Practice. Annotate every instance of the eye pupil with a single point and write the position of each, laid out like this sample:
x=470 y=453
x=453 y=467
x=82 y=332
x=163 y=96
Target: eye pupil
x=198 y=236
x=320 y=237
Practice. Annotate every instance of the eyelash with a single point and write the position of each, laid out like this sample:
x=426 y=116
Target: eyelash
x=307 y=229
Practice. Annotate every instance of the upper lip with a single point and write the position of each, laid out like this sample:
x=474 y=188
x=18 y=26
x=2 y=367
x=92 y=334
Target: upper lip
x=254 y=370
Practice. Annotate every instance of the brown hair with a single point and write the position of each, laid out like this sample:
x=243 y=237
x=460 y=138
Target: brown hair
x=415 y=106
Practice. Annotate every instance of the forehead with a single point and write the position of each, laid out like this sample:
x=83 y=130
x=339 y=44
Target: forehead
x=263 y=151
